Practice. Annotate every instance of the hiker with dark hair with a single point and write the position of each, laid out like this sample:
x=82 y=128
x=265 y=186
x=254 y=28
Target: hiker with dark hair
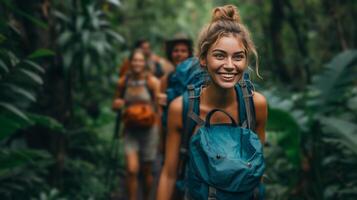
x=219 y=157
x=178 y=49
x=136 y=93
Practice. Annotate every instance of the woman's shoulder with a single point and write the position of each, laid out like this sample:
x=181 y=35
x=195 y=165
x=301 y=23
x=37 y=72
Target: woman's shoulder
x=259 y=99
x=175 y=107
x=152 y=80
x=261 y=106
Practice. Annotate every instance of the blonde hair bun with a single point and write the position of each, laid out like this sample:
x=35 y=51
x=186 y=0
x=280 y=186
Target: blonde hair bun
x=227 y=12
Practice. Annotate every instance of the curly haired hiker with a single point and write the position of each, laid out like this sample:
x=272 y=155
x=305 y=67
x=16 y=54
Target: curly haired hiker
x=136 y=93
x=219 y=157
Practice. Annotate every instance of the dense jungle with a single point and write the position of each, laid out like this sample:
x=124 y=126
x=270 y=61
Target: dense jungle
x=59 y=65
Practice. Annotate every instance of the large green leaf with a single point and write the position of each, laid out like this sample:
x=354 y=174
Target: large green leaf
x=14 y=60
x=13 y=109
x=46 y=121
x=20 y=158
x=34 y=65
x=32 y=19
x=61 y=16
x=345 y=131
x=115 y=35
x=19 y=90
x=64 y=38
x=10 y=124
x=34 y=77
x=338 y=76
x=40 y=53
x=114 y=2
x=3 y=66
x=288 y=133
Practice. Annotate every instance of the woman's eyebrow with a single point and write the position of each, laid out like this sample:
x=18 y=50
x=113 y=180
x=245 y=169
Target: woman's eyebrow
x=222 y=51
x=239 y=52
x=219 y=50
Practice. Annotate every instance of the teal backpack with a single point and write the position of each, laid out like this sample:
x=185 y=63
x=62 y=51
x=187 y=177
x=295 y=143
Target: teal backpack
x=221 y=161
x=189 y=72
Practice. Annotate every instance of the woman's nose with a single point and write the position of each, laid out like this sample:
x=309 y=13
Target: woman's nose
x=229 y=64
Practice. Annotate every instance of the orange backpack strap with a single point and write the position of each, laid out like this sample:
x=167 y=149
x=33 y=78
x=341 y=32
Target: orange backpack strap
x=121 y=87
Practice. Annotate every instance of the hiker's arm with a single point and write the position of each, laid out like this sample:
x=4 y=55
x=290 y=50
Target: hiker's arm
x=168 y=176
x=162 y=98
x=154 y=85
x=261 y=115
x=119 y=102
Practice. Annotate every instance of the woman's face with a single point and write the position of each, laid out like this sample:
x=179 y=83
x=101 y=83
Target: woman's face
x=179 y=53
x=138 y=62
x=225 y=61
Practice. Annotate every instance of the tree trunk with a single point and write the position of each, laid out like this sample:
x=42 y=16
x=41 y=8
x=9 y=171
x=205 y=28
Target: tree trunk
x=52 y=101
x=276 y=22
x=301 y=41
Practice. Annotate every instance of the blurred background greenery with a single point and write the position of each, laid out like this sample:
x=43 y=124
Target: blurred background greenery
x=59 y=65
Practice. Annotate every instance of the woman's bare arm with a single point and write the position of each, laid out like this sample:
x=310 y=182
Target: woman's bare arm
x=169 y=171
x=261 y=115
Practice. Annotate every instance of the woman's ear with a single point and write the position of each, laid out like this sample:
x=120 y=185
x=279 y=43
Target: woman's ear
x=203 y=62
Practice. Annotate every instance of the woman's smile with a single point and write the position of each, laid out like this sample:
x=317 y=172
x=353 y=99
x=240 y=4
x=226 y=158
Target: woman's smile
x=227 y=77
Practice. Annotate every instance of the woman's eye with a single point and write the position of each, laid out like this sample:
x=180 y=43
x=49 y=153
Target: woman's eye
x=238 y=57
x=219 y=56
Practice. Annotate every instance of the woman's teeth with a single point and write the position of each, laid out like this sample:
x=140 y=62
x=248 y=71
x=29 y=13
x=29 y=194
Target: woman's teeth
x=227 y=76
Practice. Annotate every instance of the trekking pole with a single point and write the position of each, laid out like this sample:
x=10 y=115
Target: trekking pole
x=114 y=153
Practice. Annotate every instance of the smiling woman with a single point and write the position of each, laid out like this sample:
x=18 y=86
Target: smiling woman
x=226 y=62
x=224 y=48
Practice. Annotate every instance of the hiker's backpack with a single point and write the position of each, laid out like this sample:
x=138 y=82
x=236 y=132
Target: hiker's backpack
x=138 y=115
x=224 y=161
x=189 y=72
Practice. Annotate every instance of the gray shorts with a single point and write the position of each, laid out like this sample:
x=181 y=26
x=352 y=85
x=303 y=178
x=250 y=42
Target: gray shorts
x=145 y=142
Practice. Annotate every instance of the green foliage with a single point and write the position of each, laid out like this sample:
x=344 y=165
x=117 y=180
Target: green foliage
x=19 y=80
x=311 y=132
x=52 y=194
x=84 y=37
x=328 y=136
x=22 y=172
x=333 y=84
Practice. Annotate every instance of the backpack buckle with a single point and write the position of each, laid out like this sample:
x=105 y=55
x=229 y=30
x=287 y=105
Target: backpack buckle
x=212 y=193
x=190 y=87
x=183 y=151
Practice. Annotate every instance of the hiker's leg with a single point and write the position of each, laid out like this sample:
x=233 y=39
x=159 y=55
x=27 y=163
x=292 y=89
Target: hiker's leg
x=148 y=179
x=132 y=166
x=131 y=145
x=148 y=148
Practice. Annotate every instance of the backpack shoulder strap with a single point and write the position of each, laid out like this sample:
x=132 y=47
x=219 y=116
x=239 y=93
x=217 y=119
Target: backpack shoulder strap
x=190 y=113
x=159 y=72
x=241 y=106
x=190 y=118
x=247 y=90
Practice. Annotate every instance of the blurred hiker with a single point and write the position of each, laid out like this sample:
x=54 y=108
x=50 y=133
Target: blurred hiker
x=136 y=94
x=216 y=131
x=178 y=49
x=157 y=65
